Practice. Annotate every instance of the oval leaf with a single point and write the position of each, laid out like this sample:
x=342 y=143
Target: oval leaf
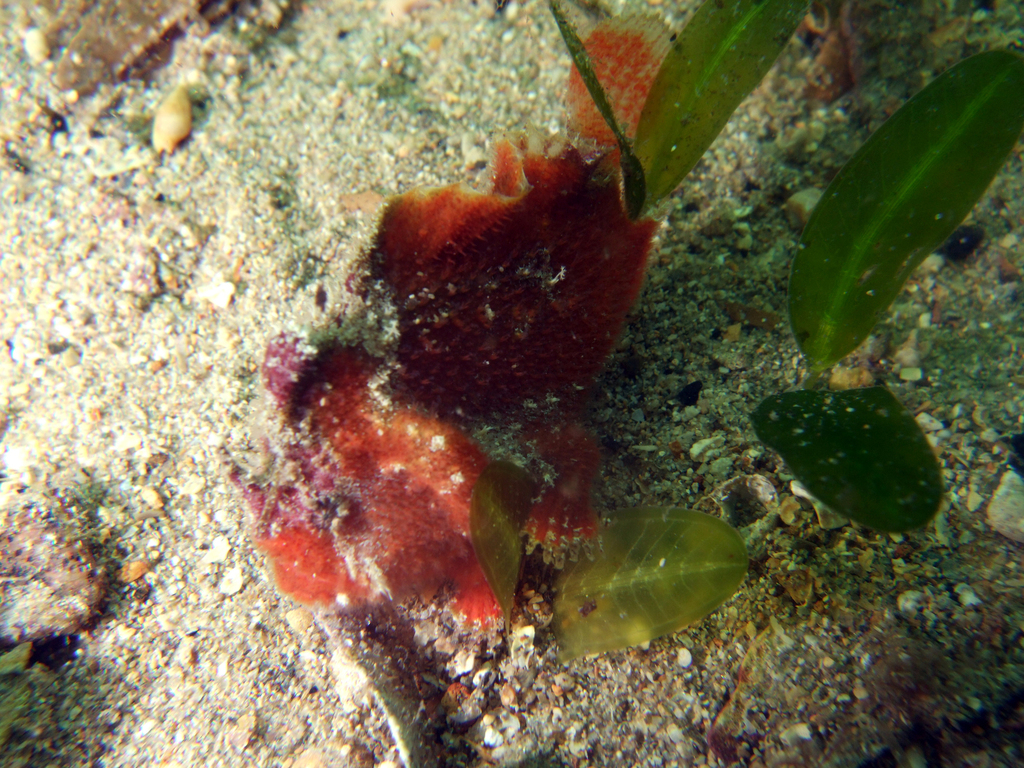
x=719 y=57
x=659 y=570
x=898 y=198
x=860 y=452
x=502 y=499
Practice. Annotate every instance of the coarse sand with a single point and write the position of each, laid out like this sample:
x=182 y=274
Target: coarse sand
x=137 y=292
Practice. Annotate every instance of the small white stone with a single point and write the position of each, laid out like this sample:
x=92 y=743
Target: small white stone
x=989 y=435
x=966 y=595
x=684 y=658
x=974 y=500
x=218 y=551
x=928 y=423
x=910 y=601
x=1006 y=510
x=36 y=47
x=186 y=653
x=152 y=497
x=462 y=663
x=218 y=294
x=795 y=733
x=911 y=374
x=700 y=446
x=299 y=619
x=232 y=582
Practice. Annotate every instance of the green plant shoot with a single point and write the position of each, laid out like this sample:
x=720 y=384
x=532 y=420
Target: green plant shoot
x=718 y=58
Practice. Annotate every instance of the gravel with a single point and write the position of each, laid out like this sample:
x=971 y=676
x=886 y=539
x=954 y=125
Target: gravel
x=138 y=293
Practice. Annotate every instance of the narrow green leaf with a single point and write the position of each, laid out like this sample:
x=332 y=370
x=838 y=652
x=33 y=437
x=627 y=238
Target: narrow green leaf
x=659 y=570
x=719 y=57
x=859 y=451
x=502 y=498
x=632 y=169
x=898 y=198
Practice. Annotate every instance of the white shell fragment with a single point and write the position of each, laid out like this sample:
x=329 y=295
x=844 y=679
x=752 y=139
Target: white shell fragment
x=218 y=294
x=36 y=46
x=1006 y=510
x=172 y=122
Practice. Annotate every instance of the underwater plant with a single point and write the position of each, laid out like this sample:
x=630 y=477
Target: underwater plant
x=898 y=198
x=902 y=194
x=436 y=415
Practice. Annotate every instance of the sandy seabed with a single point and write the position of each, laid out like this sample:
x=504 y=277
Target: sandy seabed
x=137 y=293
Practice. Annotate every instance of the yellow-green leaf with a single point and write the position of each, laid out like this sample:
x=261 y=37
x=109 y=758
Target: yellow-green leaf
x=502 y=498
x=659 y=569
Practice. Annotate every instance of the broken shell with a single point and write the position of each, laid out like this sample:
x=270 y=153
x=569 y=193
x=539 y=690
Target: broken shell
x=172 y=122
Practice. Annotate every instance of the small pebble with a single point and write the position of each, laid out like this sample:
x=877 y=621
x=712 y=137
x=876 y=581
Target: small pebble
x=910 y=601
x=850 y=378
x=684 y=658
x=232 y=582
x=218 y=551
x=966 y=595
x=690 y=394
x=962 y=243
x=800 y=206
x=172 y=122
x=134 y=570
x=974 y=500
x=186 y=653
x=700 y=446
x=911 y=374
x=299 y=619
x=933 y=263
x=1006 y=510
x=36 y=47
x=795 y=733
x=16 y=660
x=788 y=509
x=240 y=735
x=218 y=294
x=152 y=497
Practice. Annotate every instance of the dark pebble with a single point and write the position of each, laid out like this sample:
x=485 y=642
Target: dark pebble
x=1017 y=459
x=690 y=394
x=632 y=366
x=962 y=243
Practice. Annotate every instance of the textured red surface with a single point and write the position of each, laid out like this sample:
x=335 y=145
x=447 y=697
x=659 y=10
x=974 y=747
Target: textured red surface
x=564 y=512
x=626 y=53
x=508 y=298
x=307 y=565
x=501 y=298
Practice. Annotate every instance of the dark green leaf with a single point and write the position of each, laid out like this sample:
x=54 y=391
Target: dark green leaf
x=659 y=570
x=502 y=498
x=859 y=452
x=632 y=170
x=719 y=57
x=899 y=197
